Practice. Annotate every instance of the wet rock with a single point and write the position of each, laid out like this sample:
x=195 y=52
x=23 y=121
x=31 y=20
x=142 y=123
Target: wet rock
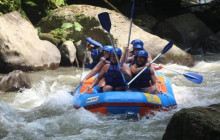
x=68 y=54
x=87 y=16
x=69 y=14
x=15 y=81
x=51 y=38
x=185 y=29
x=197 y=123
x=21 y=48
x=212 y=44
x=209 y=45
x=81 y=49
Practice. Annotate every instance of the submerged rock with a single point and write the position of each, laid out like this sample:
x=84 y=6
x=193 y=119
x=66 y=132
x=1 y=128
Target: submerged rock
x=197 y=123
x=21 y=48
x=87 y=16
x=15 y=81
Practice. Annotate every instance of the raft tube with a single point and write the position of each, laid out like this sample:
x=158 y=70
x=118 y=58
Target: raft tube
x=125 y=102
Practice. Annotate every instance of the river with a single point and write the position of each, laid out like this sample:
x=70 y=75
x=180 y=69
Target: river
x=45 y=110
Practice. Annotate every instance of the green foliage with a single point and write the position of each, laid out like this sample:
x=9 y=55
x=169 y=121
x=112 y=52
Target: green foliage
x=7 y=6
x=67 y=25
x=63 y=33
x=38 y=30
x=30 y=3
x=60 y=34
x=59 y=2
x=77 y=26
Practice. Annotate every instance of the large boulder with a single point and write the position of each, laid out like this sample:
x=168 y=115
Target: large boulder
x=88 y=18
x=146 y=22
x=212 y=43
x=21 y=48
x=197 y=123
x=209 y=45
x=15 y=81
x=68 y=54
x=185 y=29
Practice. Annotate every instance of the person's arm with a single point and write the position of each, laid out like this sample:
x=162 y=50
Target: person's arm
x=95 y=70
x=136 y=70
x=127 y=72
x=153 y=80
x=100 y=76
x=130 y=59
x=152 y=67
x=123 y=58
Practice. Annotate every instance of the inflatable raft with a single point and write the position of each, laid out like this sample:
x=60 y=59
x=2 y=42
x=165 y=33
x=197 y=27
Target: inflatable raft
x=125 y=102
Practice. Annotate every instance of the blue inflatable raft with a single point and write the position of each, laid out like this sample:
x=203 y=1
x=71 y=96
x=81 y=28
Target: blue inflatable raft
x=125 y=102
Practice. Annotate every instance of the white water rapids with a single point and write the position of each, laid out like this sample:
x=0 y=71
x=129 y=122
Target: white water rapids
x=45 y=111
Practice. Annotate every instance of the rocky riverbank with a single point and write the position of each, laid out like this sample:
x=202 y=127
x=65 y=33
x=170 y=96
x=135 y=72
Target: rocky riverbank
x=22 y=49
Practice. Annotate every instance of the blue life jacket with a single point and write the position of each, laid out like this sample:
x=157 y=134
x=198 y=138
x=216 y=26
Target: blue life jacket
x=96 y=54
x=142 y=80
x=113 y=76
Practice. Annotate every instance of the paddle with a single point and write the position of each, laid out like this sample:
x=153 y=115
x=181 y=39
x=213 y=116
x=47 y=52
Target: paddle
x=106 y=24
x=83 y=68
x=166 y=48
x=129 y=35
x=196 y=78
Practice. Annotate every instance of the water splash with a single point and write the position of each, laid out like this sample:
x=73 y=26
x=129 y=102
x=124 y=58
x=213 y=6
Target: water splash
x=45 y=111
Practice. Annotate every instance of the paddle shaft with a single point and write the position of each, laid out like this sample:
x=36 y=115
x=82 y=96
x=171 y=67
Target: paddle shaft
x=83 y=68
x=129 y=35
x=144 y=69
x=116 y=56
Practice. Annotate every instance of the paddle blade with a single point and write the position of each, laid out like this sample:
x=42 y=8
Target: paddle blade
x=132 y=10
x=167 y=47
x=105 y=21
x=193 y=77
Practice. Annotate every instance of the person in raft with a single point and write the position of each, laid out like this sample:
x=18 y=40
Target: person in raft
x=112 y=74
x=96 y=52
x=137 y=45
x=143 y=81
x=103 y=60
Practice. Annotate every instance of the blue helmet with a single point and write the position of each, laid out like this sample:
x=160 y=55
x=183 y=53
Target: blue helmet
x=93 y=42
x=142 y=53
x=118 y=51
x=137 y=44
x=107 y=48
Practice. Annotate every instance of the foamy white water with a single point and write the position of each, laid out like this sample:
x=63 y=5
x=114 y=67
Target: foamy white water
x=45 y=110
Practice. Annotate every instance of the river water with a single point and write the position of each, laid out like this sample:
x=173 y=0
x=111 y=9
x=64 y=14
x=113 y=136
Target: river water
x=45 y=110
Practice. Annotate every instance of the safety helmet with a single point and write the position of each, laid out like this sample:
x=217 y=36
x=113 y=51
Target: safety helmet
x=137 y=41
x=142 y=53
x=93 y=42
x=118 y=51
x=107 y=48
x=137 y=44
